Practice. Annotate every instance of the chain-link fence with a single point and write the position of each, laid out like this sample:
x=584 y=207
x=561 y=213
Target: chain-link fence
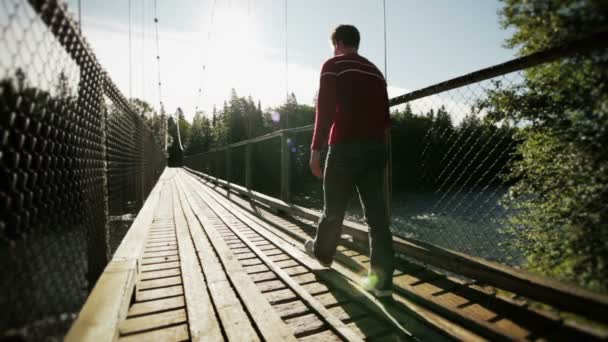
x=454 y=159
x=74 y=161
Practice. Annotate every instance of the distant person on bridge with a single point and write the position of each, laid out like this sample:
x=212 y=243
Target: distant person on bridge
x=352 y=117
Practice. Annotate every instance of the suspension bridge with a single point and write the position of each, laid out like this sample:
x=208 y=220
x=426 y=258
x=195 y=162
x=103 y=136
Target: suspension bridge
x=101 y=240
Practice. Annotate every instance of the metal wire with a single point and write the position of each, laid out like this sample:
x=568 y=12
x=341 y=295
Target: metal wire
x=161 y=108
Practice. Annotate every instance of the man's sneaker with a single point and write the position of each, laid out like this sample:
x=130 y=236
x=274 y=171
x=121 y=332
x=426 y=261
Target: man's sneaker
x=370 y=283
x=383 y=294
x=309 y=247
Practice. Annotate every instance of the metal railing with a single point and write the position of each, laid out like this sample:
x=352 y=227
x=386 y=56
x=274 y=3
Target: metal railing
x=75 y=159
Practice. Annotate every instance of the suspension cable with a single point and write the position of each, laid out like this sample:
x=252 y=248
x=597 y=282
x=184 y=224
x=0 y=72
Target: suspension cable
x=209 y=32
x=143 y=49
x=286 y=68
x=160 y=94
x=385 y=58
x=130 y=58
x=80 y=16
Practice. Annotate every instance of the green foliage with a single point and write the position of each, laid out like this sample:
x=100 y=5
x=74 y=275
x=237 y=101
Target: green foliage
x=240 y=119
x=559 y=203
x=473 y=152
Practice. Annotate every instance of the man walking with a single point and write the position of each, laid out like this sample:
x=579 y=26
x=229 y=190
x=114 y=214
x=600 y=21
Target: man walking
x=352 y=117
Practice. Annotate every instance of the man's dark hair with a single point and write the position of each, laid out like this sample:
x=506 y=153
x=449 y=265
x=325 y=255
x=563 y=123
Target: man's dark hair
x=347 y=34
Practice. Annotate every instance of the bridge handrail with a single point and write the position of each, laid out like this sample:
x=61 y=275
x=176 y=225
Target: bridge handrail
x=590 y=43
x=567 y=297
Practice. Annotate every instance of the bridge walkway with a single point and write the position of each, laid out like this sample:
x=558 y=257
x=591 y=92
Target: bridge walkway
x=213 y=265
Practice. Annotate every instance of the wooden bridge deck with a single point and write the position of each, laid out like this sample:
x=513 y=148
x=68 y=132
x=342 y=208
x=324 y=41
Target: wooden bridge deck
x=201 y=263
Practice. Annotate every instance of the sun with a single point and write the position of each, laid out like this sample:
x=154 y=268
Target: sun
x=234 y=53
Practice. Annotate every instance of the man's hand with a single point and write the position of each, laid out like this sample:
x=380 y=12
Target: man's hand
x=315 y=163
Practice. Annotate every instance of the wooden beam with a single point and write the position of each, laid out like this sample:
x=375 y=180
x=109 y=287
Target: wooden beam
x=202 y=321
x=108 y=303
x=270 y=325
x=563 y=296
x=330 y=276
x=285 y=166
x=336 y=325
x=249 y=166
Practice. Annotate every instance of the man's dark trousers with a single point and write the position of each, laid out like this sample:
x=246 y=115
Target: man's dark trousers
x=359 y=165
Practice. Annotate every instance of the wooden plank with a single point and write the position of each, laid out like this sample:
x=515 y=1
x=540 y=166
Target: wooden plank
x=162 y=282
x=162 y=292
x=108 y=303
x=161 y=248
x=297 y=270
x=154 y=321
x=305 y=278
x=131 y=246
x=279 y=257
x=347 y=311
x=251 y=262
x=272 y=285
x=561 y=295
x=268 y=322
x=325 y=336
x=332 y=277
x=161 y=266
x=407 y=306
x=159 y=274
x=256 y=269
x=306 y=324
x=333 y=298
x=257 y=277
x=158 y=254
x=202 y=322
x=146 y=308
x=279 y=296
x=315 y=288
x=165 y=259
x=287 y=263
x=174 y=333
x=291 y=309
x=310 y=301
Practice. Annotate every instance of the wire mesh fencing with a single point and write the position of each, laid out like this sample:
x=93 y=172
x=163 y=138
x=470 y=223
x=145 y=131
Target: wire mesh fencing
x=73 y=157
x=456 y=157
x=450 y=167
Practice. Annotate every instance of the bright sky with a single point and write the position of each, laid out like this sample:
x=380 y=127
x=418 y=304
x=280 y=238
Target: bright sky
x=242 y=45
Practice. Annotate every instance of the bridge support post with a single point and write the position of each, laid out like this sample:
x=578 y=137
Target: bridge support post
x=216 y=158
x=285 y=167
x=248 y=166
x=228 y=163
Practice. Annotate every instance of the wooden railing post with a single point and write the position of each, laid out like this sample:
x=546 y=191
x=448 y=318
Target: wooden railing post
x=285 y=161
x=216 y=156
x=228 y=164
x=248 y=166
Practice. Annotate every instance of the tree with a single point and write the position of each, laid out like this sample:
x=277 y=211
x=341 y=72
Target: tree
x=142 y=108
x=559 y=203
x=201 y=135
